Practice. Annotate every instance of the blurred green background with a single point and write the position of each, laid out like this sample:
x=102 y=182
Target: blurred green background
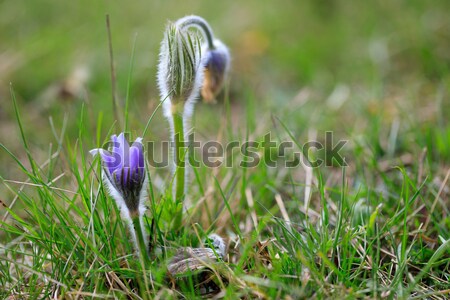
x=375 y=73
x=355 y=67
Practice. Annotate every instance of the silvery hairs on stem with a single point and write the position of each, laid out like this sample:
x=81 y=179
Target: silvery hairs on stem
x=180 y=75
x=123 y=172
x=181 y=72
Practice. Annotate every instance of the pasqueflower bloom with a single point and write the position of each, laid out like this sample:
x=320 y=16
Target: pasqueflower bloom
x=123 y=173
x=217 y=64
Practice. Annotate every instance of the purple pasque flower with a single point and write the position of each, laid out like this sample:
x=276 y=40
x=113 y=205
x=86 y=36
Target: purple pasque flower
x=217 y=64
x=124 y=173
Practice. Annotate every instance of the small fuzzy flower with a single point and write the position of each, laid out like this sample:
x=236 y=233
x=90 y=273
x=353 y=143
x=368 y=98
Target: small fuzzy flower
x=217 y=65
x=180 y=72
x=124 y=174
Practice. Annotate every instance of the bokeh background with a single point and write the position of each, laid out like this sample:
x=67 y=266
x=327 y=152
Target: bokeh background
x=375 y=73
x=363 y=69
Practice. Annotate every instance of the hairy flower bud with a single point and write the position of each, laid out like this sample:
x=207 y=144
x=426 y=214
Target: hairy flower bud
x=179 y=71
x=217 y=65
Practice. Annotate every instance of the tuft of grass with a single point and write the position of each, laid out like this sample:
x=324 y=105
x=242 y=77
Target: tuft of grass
x=351 y=241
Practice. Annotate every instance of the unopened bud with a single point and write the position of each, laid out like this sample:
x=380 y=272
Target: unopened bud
x=217 y=65
x=179 y=71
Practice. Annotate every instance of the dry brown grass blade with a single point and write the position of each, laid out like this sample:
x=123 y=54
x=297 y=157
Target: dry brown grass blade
x=433 y=206
x=283 y=211
x=251 y=206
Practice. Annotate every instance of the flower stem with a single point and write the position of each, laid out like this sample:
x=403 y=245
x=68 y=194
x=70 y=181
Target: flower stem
x=202 y=25
x=180 y=166
x=141 y=245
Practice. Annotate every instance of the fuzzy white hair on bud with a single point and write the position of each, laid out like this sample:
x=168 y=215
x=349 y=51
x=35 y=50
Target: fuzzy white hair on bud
x=180 y=72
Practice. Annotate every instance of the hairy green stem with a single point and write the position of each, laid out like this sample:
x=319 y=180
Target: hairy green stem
x=180 y=165
x=140 y=240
